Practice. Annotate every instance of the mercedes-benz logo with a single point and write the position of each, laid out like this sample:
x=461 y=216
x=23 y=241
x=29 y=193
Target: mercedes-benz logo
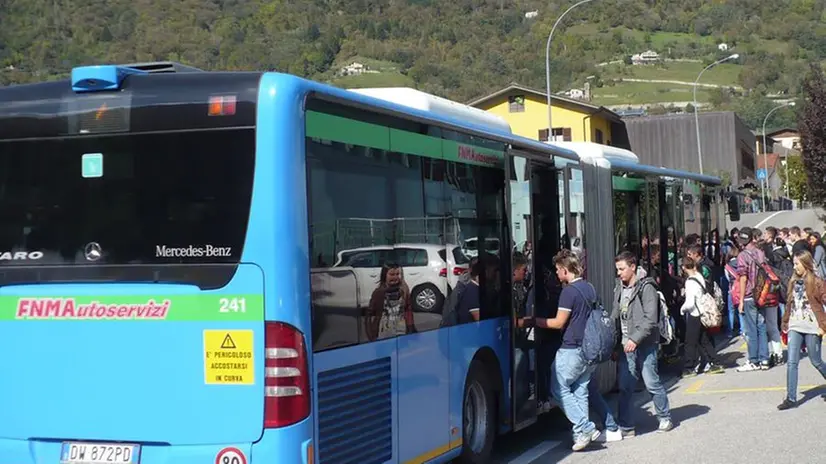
x=93 y=251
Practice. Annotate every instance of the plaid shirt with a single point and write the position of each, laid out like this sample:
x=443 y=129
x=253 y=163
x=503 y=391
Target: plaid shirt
x=747 y=263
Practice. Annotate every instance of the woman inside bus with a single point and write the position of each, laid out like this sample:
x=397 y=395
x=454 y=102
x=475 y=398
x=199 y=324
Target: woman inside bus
x=390 y=312
x=804 y=320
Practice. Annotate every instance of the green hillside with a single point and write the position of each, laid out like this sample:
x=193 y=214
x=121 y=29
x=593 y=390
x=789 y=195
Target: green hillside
x=459 y=49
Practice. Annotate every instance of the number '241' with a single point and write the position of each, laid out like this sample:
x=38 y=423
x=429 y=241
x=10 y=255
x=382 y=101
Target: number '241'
x=232 y=305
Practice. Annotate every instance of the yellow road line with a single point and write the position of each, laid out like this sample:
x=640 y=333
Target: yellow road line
x=692 y=391
x=695 y=387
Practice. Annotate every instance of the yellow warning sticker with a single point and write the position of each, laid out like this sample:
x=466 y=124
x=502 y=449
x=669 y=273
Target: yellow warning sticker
x=228 y=357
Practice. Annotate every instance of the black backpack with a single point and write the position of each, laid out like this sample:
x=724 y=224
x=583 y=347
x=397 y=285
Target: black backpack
x=600 y=336
x=450 y=316
x=784 y=270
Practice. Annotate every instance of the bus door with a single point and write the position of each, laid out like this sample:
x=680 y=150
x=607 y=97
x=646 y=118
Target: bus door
x=535 y=237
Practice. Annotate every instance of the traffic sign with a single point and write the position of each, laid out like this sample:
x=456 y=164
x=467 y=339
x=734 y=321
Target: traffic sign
x=230 y=455
x=761 y=174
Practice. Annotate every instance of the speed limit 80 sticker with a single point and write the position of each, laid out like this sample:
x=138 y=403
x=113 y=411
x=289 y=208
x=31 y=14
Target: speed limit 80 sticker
x=230 y=456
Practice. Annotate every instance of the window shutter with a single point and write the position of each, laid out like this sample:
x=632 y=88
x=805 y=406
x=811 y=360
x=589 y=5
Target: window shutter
x=566 y=134
x=543 y=135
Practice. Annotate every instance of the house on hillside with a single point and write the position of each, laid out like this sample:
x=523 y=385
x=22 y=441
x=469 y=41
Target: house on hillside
x=526 y=110
x=646 y=57
x=355 y=69
x=787 y=137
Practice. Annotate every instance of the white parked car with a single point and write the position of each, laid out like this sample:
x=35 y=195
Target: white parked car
x=427 y=270
x=471 y=246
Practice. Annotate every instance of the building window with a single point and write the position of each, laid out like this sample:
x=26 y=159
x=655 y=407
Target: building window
x=598 y=136
x=560 y=134
x=516 y=104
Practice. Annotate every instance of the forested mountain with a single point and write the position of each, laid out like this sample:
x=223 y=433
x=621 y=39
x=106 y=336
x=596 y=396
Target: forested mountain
x=456 y=48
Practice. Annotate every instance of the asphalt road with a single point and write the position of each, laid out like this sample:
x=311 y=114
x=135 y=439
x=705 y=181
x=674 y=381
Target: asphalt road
x=801 y=218
x=723 y=418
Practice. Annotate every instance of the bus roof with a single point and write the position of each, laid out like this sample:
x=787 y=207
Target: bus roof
x=626 y=160
x=427 y=102
x=436 y=115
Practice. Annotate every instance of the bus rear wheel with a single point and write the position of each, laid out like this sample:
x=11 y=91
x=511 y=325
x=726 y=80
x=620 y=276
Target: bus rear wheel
x=478 y=416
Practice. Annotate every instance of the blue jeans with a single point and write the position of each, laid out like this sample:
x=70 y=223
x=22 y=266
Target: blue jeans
x=732 y=314
x=775 y=343
x=601 y=407
x=758 y=342
x=643 y=359
x=569 y=385
x=795 y=341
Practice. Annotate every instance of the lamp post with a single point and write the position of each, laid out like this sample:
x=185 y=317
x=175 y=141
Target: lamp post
x=766 y=156
x=548 y=63
x=696 y=114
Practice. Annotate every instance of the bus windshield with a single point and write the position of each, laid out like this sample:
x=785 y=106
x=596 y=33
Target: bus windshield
x=113 y=202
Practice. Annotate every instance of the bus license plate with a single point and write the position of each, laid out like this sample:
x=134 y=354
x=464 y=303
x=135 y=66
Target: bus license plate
x=99 y=453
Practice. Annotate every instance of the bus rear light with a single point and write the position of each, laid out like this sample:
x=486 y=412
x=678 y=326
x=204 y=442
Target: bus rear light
x=286 y=376
x=222 y=105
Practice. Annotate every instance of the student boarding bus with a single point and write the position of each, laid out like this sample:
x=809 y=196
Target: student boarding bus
x=236 y=267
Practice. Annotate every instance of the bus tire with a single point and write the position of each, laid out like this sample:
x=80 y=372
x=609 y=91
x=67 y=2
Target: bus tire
x=478 y=415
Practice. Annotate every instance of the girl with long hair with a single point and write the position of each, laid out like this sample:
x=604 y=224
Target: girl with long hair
x=804 y=321
x=390 y=311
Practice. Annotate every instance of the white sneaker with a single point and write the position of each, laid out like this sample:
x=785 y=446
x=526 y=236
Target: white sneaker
x=748 y=367
x=665 y=425
x=610 y=436
x=583 y=441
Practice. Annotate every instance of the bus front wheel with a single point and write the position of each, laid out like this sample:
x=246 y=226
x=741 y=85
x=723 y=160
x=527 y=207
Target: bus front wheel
x=478 y=416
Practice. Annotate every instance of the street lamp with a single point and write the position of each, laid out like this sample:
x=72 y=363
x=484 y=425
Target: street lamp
x=548 y=63
x=766 y=156
x=696 y=115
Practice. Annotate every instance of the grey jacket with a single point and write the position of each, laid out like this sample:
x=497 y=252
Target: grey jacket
x=643 y=311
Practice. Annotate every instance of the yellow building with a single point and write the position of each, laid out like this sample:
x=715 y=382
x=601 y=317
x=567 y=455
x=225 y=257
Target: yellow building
x=526 y=110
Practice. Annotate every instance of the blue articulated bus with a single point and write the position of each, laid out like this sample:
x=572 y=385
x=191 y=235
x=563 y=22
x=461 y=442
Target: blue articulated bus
x=235 y=267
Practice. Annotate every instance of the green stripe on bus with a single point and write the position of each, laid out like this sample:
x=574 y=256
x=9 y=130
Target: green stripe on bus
x=415 y=144
x=207 y=307
x=471 y=154
x=338 y=129
x=627 y=184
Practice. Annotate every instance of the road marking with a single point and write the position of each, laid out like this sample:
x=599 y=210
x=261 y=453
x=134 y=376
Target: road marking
x=767 y=219
x=535 y=453
x=749 y=390
x=695 y=387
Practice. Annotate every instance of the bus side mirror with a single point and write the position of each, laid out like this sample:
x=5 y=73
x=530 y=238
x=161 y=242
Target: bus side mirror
x=733 y=209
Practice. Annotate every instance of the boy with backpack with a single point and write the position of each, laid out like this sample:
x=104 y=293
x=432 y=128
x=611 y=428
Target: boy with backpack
x=588 y=338
x=755 y=300
x=637 y=307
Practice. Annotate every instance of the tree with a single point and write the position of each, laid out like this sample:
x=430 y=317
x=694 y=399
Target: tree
x=798 y=182
x=813 y=133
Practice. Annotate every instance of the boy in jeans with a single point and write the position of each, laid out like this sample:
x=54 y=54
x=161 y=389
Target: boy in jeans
x=755 y=318
x=570 y=373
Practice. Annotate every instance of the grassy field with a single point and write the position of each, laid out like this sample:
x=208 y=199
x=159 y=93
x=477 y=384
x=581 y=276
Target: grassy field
x=635 y=93
x=376 y=65
x=723 y=74
x=384 y=79
x=660 y=41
